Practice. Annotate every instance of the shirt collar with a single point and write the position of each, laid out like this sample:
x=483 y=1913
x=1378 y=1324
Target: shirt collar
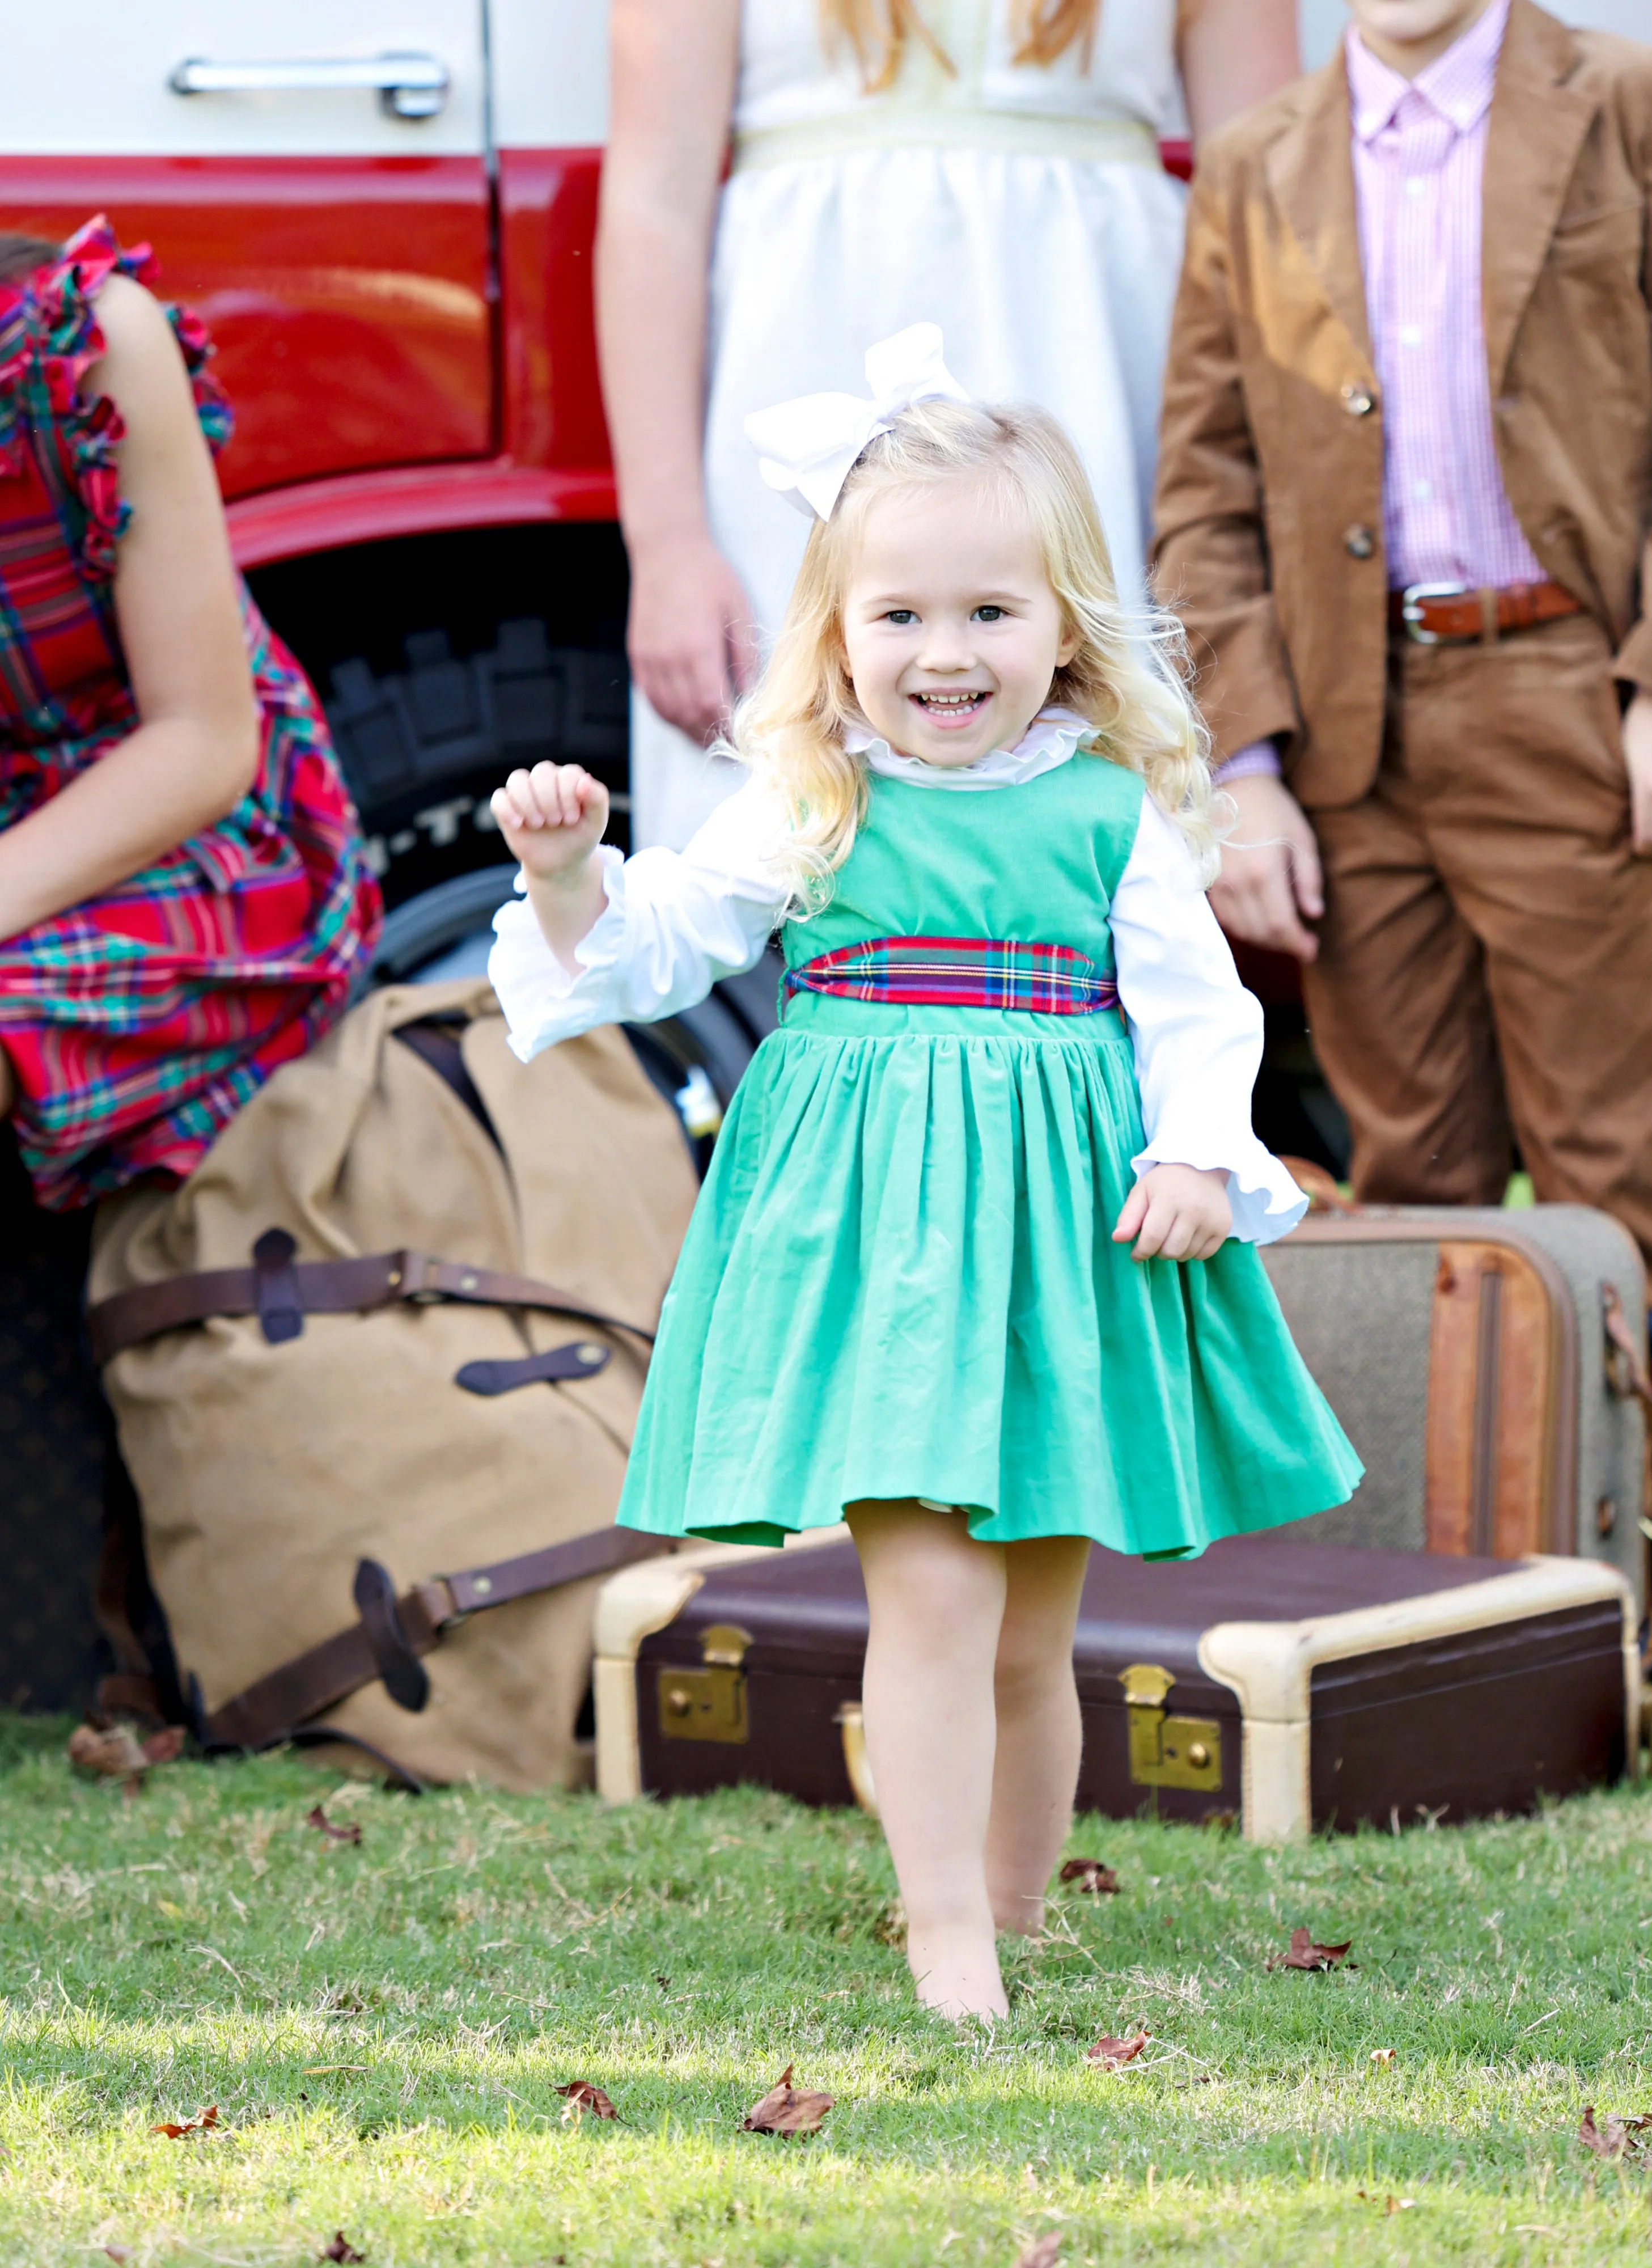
x=1051 y=740
x=1458 y=85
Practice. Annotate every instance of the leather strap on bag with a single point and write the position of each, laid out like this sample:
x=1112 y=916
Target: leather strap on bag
x=1626 y=1372
x=393 y=1633
x=281 y=1290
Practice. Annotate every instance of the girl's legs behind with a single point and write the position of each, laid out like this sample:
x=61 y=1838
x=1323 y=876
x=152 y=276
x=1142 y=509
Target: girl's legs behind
x=960 y=1631
x=1035 y=1770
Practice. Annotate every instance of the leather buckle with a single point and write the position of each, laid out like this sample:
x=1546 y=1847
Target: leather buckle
x=1411 y=610
x=402 y=1674
x=414 y=1276
x=280 y=1303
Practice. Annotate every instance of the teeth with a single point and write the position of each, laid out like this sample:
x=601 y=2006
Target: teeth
x=950 y=700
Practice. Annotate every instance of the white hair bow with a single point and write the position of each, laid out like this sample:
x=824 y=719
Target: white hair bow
x=806 y=448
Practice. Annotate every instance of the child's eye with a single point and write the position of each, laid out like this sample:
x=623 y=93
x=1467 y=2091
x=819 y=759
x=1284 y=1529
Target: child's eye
x=989 y=614
x=902 y=615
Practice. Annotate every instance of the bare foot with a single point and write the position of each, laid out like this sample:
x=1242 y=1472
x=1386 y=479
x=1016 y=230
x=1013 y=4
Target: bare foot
x=1019 y=1918
x=957 y=1974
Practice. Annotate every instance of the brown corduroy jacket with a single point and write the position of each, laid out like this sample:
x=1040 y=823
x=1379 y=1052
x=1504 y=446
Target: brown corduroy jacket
x=1270 y=489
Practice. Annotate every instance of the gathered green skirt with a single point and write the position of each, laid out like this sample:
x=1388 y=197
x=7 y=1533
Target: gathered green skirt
x=900 y=1281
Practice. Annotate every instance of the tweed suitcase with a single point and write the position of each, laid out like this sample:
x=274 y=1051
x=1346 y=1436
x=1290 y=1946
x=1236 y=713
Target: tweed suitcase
x=1489 y=1367
x=1291 y=1687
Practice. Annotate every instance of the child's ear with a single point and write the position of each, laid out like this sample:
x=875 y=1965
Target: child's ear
x=1068 y=647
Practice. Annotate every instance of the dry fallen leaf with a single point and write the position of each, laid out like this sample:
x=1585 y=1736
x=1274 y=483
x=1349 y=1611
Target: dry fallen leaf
x=583 y=2096
x=786 y=2109
x=111 y=1751
x=1384 y=2056
x=1113 y=2054
x=1620 y=2138
x=202 y=2125
x=118 y=2251
x=351 y=1832
x=1390 y=2203
x=1306 y=1952
x=1042 y=2255
x=341 y=2248
x=1090 y=1874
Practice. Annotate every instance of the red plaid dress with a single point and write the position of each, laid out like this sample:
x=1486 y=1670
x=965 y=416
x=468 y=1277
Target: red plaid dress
x=138 y=1023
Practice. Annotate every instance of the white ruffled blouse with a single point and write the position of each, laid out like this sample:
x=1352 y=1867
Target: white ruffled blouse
x=677 y=922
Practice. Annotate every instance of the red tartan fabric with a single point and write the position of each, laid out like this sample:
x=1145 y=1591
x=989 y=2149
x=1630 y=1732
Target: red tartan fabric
x=960 y=972
x=137 y=1024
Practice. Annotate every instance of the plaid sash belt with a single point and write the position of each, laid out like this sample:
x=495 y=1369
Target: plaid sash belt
x=960 y=972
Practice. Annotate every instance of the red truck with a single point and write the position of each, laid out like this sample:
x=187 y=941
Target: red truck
x=385 y=213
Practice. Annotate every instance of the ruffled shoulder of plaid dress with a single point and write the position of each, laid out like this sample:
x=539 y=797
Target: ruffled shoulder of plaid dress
x=49 y=338
x=138 y=1022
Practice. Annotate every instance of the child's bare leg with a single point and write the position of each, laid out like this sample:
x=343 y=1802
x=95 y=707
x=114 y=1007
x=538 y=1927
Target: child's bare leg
x=937 y=1601
x=1036 y=1770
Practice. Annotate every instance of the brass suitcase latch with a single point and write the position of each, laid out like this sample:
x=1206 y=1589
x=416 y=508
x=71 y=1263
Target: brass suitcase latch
x=1167 y=1751
x=708 y=1704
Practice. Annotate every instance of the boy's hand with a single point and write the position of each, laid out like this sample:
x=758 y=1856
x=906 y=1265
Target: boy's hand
x=1177 y=1212
x=1637 y=755
x=552 y=820
x=1270 y=886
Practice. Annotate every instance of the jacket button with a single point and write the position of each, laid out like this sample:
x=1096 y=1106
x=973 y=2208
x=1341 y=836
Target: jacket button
x=1357 y=401
x=1358 y=541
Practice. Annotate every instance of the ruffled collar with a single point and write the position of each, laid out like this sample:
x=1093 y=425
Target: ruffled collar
x=1053 y=735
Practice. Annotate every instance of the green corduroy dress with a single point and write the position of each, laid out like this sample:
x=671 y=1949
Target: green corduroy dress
x=899 y=1280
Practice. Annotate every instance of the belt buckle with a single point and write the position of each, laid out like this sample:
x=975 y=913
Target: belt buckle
x=1411 y=609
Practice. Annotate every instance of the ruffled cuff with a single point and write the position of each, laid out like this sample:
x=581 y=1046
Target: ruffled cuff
x=59 y=344
x=1266 y=1202
x=543 y=1001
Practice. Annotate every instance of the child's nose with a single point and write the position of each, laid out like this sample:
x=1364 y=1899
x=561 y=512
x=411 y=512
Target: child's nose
x=947 y=645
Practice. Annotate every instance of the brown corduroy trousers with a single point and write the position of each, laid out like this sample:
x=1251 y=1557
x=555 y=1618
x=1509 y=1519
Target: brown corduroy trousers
x=1485 y=975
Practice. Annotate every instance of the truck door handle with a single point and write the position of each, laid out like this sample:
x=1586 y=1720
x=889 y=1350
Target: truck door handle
x=407 y=85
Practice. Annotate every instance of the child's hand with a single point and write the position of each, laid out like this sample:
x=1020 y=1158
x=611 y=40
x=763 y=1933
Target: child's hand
x=552 y=819
x=1177 y=1212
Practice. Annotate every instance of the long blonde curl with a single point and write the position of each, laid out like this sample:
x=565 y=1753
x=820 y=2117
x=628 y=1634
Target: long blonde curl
x=880 y=31
x=1128 y=678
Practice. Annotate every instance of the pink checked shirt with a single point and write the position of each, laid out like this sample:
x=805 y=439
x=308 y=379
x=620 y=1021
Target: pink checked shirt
x=1419 y=154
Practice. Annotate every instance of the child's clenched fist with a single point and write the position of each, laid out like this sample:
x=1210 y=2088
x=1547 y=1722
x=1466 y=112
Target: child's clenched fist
x=552 y=818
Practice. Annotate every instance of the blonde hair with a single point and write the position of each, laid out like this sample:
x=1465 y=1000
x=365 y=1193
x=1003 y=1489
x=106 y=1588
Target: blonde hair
x=878 y=31
x=1127 y=677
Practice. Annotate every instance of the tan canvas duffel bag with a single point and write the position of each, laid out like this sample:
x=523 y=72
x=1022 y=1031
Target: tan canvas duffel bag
x=376 y=1367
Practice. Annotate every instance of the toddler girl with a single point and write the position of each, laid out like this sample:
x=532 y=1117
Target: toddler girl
x=973 y=1267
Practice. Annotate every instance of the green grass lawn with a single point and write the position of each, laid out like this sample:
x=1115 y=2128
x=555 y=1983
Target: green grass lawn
x=383 y=2028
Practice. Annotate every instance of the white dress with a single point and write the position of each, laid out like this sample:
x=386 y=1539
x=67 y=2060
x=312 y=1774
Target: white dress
x=1025 y=210
x=674 y=924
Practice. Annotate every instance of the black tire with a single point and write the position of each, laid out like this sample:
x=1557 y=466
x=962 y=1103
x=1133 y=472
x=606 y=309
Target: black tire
x=419 y=930
x=425 y=747
x=715 y=1039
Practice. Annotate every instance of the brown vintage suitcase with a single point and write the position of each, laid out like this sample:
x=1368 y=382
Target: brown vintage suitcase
x=1490 y=1368
x=1292 y=1686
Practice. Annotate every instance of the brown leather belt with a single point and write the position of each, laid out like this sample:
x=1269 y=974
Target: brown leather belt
x=1450 y=613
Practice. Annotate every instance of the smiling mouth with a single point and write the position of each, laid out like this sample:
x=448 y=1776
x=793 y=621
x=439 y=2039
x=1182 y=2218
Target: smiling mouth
x=951 y=708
